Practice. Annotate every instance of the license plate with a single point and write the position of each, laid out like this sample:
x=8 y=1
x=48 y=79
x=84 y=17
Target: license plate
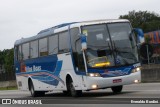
x=117 y=80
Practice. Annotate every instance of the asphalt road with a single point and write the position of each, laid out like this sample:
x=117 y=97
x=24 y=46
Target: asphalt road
x=143 y=91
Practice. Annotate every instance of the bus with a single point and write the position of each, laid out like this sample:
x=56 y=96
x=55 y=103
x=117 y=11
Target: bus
x=78 y=56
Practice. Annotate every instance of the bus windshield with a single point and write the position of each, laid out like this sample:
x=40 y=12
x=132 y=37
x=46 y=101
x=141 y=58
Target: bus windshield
x=110 y=45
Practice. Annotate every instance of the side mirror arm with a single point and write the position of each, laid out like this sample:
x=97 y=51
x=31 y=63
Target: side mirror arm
x=84 y=42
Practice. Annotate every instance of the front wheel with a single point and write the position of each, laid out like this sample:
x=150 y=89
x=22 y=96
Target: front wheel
x=117 y=89
x=73 y=92
x=66 y=93
x=32 y=91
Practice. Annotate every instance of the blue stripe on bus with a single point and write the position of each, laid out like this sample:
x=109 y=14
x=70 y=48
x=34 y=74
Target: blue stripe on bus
x=112 y=72
x=51 y=78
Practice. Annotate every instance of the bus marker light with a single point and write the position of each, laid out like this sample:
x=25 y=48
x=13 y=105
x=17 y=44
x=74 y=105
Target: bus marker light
x=136 y=81
x=94 y=86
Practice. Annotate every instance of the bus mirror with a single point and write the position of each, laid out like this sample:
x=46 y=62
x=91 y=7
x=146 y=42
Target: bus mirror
x=84 y=41
x=140 y=35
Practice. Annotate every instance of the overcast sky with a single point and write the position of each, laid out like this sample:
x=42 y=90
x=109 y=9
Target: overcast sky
x=25 y=18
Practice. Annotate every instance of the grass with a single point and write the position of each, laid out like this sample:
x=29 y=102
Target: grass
x=8 y=88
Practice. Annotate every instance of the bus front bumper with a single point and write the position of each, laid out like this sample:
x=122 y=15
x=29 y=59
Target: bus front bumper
x=100 y=82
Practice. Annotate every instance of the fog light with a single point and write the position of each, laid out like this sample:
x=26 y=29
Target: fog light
x=94 y=86
x=136 y=81
x=138 y=69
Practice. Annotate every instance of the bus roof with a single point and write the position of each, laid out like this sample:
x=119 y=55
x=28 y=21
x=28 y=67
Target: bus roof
x=64 y=26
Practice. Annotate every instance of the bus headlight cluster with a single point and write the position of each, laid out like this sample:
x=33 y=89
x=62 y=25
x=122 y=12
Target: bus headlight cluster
x=136 y=70
x=94 y=74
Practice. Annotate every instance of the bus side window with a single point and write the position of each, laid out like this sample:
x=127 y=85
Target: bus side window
x=19 y=52
x=53 y=44
x=43 y=47
x=25 y=51
x=16 y=53
x=64 y=42
x=34 y=49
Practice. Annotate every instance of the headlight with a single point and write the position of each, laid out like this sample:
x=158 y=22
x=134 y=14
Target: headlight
x=136 y=69
x=94 y=74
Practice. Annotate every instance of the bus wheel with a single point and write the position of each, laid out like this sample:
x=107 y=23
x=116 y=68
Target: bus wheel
x=117 y=89
x=66 y=93
x=32 y=91
x=41 y=93
x=73 y=92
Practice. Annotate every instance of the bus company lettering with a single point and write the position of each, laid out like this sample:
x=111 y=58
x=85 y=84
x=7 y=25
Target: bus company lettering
x=119 y=72
x=34 y=68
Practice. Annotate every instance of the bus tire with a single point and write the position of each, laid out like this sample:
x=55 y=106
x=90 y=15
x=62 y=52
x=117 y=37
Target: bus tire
x=35 y=93
x=41 y=93
x=117 y=89
x=32 y=91
x=66 y=93
x=73 y=92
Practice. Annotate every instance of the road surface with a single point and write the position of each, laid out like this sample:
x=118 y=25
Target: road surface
x=141 y=91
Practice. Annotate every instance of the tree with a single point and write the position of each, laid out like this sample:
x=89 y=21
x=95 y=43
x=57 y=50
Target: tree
x=148 y=21
x=7 y=59
x=1 y=57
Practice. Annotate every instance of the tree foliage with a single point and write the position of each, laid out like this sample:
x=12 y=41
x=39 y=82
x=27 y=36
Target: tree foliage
x=7 y=59
x=148 y=21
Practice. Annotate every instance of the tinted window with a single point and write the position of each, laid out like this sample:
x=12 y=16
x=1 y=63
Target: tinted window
x=63 y=42
x=25 y=51
x=79 y=56
x=34 y=49
x=43 y=49
x=19 y=52
x=53 y=44
x=74 y=37
x=76 y=48
x=16 y=53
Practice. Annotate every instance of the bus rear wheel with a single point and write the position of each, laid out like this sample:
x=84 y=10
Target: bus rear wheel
x=73 y=92
x=117 y=89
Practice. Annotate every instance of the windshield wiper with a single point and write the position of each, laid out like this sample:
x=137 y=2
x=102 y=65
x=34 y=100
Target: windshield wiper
x=102 y=47
x=121 y=53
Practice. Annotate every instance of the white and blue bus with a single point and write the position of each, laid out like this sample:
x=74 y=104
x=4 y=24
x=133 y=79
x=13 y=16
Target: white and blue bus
x=78 y=56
